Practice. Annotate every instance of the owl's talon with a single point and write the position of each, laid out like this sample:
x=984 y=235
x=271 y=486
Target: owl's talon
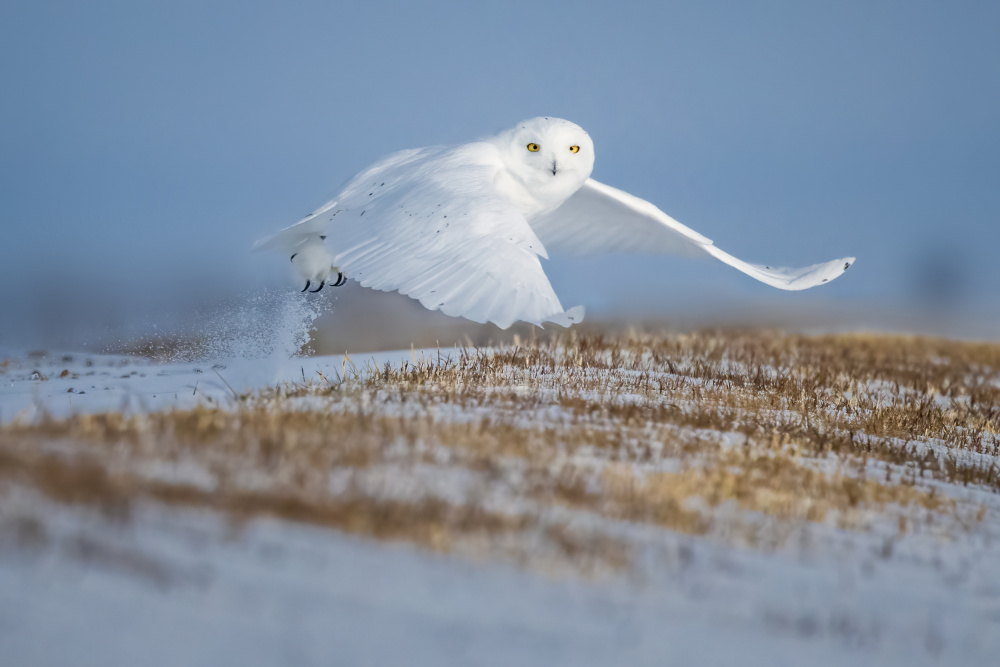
x=341 y=279
x=308 y=282
x=313 y=291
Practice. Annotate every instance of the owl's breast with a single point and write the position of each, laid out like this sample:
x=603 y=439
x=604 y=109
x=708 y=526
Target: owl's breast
x=537 y=196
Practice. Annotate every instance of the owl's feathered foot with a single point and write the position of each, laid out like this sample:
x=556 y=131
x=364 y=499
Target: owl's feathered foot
x=341 y=280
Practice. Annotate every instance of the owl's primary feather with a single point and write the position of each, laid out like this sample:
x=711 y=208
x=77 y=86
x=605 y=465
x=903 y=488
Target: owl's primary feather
x=461 y=228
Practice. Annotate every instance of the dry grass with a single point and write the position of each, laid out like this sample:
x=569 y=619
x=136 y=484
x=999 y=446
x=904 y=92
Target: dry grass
x=553 y=451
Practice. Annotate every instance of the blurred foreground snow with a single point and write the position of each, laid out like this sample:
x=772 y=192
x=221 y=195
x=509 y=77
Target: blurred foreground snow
x=180 y=588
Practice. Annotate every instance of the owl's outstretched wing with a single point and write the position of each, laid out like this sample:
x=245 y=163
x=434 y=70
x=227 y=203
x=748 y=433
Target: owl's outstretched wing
x=602 y=219
x=429 y=224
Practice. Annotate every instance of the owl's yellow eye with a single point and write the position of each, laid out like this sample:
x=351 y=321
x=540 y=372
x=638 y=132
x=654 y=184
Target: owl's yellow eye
x=533 y=148
x=574 y=149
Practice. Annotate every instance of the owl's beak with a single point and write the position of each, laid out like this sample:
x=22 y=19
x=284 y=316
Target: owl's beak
x=554 y=163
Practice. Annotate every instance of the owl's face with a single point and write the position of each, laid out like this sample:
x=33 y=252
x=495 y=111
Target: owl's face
x=548 y=153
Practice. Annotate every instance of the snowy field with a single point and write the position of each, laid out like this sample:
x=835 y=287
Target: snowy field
x=702 y=499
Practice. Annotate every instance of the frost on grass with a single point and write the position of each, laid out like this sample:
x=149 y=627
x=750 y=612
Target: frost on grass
x=576 y=453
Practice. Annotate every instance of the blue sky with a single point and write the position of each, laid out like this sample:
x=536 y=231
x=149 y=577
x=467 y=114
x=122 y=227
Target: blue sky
x=146 y=145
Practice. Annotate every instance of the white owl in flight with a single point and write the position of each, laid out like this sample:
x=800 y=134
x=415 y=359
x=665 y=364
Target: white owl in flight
x=461 y=228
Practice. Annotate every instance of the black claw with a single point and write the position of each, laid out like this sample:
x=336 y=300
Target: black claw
x=313 y=291
x=292 y=259
x=341 y=279
x=307 y=285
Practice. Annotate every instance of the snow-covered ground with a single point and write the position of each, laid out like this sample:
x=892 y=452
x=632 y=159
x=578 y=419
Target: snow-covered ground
x=64 y=384
x=174 y=586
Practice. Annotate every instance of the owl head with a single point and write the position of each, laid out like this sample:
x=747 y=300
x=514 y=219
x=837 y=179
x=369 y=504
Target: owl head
x=545 y=151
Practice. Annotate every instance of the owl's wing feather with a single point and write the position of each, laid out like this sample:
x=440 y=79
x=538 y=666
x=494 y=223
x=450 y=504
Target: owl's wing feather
x=601 y=219
x=315 y=224
x=429 y=224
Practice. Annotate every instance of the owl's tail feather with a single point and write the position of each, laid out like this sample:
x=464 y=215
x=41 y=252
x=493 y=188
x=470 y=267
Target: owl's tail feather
x=569 y=318
x=291 y=239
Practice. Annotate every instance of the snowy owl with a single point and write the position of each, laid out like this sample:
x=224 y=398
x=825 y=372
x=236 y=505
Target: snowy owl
x=461 y=228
